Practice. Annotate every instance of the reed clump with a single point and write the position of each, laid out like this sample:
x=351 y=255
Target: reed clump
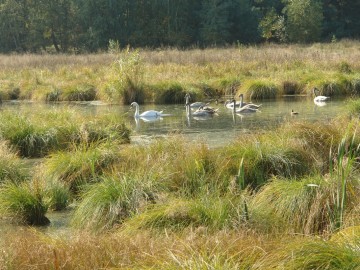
x=111 y=201
x=23 y=202
x=12 y=168
x=82 y=165
x=38 y=135
x=258 y=90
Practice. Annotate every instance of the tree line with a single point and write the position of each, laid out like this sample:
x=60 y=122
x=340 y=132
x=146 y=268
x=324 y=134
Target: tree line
x=89 y=25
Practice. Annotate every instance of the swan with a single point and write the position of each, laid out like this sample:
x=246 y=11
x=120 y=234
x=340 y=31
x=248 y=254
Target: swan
x=204 y=111
x=194 y=105
x=319 y=98
x=247 y=109
x=241 y=103
x=146 y=114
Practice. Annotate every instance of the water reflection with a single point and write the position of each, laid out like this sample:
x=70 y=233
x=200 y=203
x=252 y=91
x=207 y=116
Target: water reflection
x=215 y=131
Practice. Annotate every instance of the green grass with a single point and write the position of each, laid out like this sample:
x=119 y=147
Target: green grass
x=82 y=165
x=38 y=135
x=12 y=168
x=23 y=202
x=111 y=201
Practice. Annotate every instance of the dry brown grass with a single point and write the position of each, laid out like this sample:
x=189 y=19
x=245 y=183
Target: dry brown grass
x=305 y=65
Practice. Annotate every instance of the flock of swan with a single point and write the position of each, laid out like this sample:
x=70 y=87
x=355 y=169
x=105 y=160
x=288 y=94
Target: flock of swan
x=201 y=109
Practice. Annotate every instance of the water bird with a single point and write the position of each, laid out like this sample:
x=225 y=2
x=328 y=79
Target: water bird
x=246 y=109
x=194 y=105
x=230 y=104
x=319 y=98
x=293 y=112
x=204 y=111
x=146 y=114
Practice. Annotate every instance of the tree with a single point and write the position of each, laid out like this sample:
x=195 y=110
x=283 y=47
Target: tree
x=244 y=21
x=304 y=20
x=215 y=23
x=272 y=27
x=13 y=25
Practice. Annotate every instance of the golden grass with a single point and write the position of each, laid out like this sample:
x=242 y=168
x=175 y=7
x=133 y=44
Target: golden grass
x=307 y=65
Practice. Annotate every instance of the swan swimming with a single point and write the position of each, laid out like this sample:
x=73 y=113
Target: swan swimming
x=241 y=103
x=204 y=111
x=247 y=109
x=194 y=105
x=244 y=109
x=146 y=114
x=319 y=98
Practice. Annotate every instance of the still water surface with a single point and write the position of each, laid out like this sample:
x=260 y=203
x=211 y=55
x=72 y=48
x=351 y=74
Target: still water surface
x=218 y=130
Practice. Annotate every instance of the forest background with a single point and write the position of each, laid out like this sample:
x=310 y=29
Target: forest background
x=82 y=26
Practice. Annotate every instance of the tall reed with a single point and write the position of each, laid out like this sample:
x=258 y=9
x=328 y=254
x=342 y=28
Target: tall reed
x=345 y=160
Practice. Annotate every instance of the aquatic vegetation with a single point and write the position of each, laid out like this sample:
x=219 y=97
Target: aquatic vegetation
x=12 y=168
x=83 y=92
x=169 y=93
x=283 y=198
x=84 y=164
x=57 y=195
x=353 y=106
x=212 y=212
x=260 y=90
x=274 y=153
x=38 y=135
x=110 y=201
x=23 y=202
x=314 y=254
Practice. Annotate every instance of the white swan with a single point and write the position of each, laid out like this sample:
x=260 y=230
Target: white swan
x=241 y=103
x=319 y=98
x=146 y=114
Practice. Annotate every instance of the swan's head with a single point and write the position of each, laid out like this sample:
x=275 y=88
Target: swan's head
x=241 y=95
x=134 y=104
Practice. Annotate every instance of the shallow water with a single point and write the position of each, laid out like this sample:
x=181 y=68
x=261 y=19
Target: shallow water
x=215 y=131
x=218 y=130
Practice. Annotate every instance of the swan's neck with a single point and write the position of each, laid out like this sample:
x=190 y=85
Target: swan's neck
x=136 y=111
x=188 y=110
x=187 y=100
x=241 y=100
x=314 y=90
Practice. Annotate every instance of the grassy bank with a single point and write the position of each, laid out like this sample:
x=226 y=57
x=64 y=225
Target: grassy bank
x=164 y=76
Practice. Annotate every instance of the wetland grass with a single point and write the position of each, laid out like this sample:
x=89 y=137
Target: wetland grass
x=24 y=202
x=130 y=74
x=38 y=135
x=112 y=200
x=177 y=205
x=12 y=168
x=82 y=165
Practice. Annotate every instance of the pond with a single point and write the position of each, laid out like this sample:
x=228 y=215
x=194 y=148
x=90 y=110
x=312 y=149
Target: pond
x=215 y=131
